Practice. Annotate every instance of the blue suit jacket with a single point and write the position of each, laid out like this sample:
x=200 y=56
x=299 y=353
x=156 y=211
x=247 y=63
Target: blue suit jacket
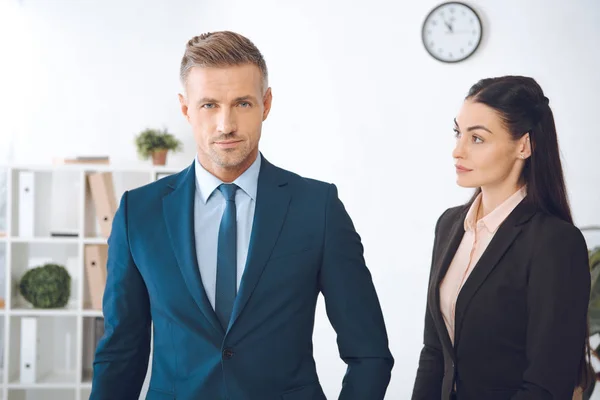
x=303 y=242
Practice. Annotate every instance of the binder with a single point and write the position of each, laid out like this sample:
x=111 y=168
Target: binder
x=96 y=257
x=103 y=195
x=93 y=331
x=29 y=370
x=26 y=204
x=98 y=331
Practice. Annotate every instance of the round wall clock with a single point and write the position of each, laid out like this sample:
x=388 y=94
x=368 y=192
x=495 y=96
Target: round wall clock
x=452 y=32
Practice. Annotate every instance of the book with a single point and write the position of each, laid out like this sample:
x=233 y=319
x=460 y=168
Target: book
x=83 y=160
x=64 y=234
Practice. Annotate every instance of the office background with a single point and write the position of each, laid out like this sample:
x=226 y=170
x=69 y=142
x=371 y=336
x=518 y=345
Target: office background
x=357 y=101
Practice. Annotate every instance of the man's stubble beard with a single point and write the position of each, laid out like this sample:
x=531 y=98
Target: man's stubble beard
x=230 y=158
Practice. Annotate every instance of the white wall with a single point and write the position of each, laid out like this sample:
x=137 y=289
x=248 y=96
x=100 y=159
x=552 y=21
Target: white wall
x=357 y=101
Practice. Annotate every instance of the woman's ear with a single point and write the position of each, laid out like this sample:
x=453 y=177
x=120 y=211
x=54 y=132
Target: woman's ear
x=524 y=147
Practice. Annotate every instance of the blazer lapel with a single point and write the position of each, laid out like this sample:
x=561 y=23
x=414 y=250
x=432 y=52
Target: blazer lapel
x=454 y=238
x=272 y=201
x=504 y=237
x=178 y=209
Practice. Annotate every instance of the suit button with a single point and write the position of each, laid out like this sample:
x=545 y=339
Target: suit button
x=227 y=354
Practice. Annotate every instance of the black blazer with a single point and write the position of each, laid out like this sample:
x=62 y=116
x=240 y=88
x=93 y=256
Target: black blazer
x=520 y=316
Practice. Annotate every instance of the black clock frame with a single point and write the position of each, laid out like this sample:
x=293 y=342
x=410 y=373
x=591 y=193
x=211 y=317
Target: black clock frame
x=423 y=29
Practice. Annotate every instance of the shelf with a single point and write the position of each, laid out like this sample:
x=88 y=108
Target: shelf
x=95 y=167
x=95 y=240
x=56 y=354
x=26 y=309
x=39 y=312
x=33 y=192
x=44 y=393
x=44 y=240
x=53 y=312
x=55 y=240
x=25 y=256
x=53 y=380
x=66 y=337
x=92 y=313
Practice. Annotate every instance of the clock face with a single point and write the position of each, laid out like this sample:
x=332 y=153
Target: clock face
x=452 y=32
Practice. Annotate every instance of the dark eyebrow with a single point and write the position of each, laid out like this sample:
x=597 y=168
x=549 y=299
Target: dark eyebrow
x=474 y=127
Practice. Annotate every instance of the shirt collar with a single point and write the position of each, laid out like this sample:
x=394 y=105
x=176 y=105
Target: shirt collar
x=493 y=220
x=206 y=183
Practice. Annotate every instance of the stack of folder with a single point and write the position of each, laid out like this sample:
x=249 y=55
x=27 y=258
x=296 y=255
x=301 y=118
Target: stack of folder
x=103 y=197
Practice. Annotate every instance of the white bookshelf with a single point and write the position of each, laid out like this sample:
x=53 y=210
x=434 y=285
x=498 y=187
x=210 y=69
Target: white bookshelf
x=62 y=202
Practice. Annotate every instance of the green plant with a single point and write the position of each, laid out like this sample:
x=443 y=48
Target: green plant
x=594 y=306
x=150 y=140
x=47 y=286
x=594 y=257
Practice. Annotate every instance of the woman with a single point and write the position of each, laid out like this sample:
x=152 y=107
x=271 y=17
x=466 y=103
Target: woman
x=509 y=286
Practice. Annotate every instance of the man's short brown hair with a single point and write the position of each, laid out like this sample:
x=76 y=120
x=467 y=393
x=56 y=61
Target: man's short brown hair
x=221 y=49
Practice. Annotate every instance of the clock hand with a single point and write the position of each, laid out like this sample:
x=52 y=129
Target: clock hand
x=449 y=26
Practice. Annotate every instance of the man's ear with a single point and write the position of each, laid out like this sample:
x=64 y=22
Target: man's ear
x=267 y=99
x=184 y=106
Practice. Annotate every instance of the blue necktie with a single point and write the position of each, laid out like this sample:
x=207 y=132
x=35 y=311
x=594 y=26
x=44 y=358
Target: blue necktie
x=226 y=257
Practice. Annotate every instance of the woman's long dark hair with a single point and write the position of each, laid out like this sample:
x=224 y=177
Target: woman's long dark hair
x=524 y=108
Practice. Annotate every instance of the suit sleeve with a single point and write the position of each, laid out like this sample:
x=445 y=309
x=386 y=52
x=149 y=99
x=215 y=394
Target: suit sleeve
x=430 y=373
x=121 y=358
x=558 y=295
x=353 y=308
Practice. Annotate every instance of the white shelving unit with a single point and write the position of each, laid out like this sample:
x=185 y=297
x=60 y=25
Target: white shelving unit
x=62 y=203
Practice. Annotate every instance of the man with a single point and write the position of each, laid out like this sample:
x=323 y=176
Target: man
x=227 y=259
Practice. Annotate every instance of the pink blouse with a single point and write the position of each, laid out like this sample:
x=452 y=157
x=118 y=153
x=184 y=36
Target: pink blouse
x=478 y=235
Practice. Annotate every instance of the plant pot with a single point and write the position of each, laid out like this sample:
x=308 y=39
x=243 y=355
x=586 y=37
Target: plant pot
x=159 y=157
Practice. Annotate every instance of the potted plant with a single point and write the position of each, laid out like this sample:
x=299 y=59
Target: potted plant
x=156 y=143
x=47 y=286
x=594 y=307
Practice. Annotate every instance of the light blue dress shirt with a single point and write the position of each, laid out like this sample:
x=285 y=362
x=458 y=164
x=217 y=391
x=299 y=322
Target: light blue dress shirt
x=209 y=205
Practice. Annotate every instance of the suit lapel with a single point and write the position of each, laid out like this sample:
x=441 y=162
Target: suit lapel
x=504 y=237
x=178 y=209
x=447 y=254
x=272 y=201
